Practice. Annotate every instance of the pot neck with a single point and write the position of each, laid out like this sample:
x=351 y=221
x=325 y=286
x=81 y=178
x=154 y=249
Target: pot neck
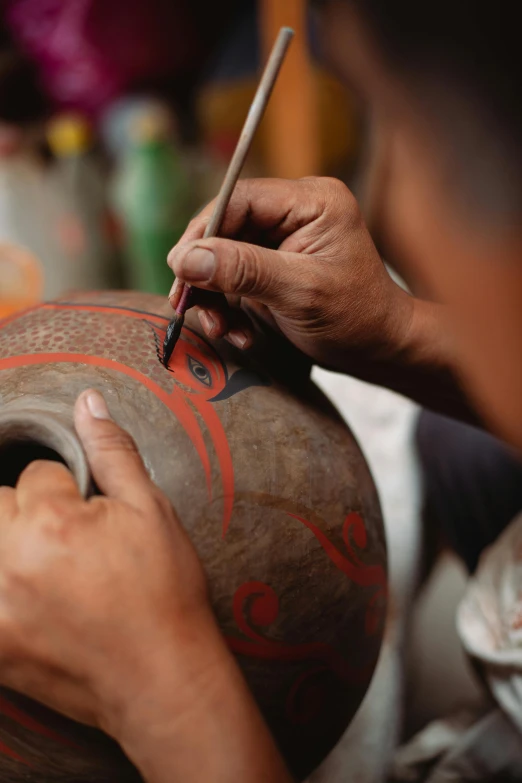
x=28 y=434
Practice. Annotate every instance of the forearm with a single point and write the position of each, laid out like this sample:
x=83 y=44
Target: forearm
x=420 y=364
x=219 y=737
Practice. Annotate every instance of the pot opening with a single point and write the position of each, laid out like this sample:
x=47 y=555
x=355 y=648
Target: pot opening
x=16 y=455
x=29 y=435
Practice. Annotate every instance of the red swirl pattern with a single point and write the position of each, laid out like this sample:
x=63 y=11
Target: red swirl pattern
x=256 y=603
x=357 y=571
x=307 y=698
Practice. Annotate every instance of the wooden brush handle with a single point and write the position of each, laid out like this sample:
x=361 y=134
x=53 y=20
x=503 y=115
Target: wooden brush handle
x=255 y=114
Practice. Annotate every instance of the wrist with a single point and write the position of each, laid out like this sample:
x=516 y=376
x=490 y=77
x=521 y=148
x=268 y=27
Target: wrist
x=397 y=332
x=166 y=675
x=412 y=333
x=420 y=361
x=196 y=720
x=211 y=731
x=423 y=337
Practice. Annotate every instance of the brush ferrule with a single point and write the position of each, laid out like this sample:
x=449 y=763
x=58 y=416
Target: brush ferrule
x=184 y=300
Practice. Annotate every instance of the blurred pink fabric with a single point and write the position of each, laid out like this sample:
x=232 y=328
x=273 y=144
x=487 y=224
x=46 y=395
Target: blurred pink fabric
x=91 y=51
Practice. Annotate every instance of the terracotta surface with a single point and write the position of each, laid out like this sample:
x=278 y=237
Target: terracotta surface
x=269 y=482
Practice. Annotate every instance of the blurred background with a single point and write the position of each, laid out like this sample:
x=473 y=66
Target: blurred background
x=117 y=121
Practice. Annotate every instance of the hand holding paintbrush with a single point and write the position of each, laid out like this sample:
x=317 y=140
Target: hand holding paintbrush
x=252 y=121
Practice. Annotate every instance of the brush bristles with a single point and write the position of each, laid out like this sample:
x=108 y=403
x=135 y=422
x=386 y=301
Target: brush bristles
x=172 y=336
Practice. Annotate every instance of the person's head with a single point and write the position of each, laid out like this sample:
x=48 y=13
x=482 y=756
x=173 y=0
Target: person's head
x=441 y=80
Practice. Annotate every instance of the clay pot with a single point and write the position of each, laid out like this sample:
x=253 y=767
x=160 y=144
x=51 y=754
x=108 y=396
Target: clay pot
x=268 y=480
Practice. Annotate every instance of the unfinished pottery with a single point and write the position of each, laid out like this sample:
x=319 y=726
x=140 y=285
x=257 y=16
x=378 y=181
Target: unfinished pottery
x=269 y=482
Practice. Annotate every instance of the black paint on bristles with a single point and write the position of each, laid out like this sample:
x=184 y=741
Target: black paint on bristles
x=171 y=337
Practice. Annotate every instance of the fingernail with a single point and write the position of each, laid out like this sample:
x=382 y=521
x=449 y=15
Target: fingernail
x=176 y=285
x=207 y=322
x=97 y=406
x=199 y=264
x=237 y=338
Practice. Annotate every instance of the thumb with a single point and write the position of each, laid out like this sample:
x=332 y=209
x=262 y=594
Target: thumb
x=238 y=268
x=116 y=465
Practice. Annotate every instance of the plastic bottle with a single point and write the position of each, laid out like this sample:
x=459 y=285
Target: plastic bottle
x=81 y=219
x=153 y=198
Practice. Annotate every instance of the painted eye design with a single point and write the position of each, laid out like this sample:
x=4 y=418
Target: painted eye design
x=199 y=371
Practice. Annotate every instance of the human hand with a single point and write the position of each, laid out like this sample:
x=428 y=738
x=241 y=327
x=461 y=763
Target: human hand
x=325 y=286
x=103 y=602
x=104 y=616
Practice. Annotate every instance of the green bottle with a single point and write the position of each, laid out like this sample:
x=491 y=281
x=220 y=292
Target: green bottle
x=152 y=197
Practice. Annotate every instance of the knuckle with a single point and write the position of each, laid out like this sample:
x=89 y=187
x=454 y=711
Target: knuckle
x=342 y=196
x=315 y=189
x=312 y=183
x=333 y=199
x=162 y=504
x=334 y=184
x=55 y=509
x=196 y=224
x=349 y=205
x=55 y=517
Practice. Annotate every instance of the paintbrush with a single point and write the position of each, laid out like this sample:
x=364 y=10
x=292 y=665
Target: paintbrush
x=252 y=121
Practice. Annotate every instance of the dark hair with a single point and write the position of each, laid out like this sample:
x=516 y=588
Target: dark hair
x=38 y=745
x=462 y=59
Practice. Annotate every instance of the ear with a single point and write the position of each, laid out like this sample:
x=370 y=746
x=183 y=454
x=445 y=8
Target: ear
x=242 y=379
